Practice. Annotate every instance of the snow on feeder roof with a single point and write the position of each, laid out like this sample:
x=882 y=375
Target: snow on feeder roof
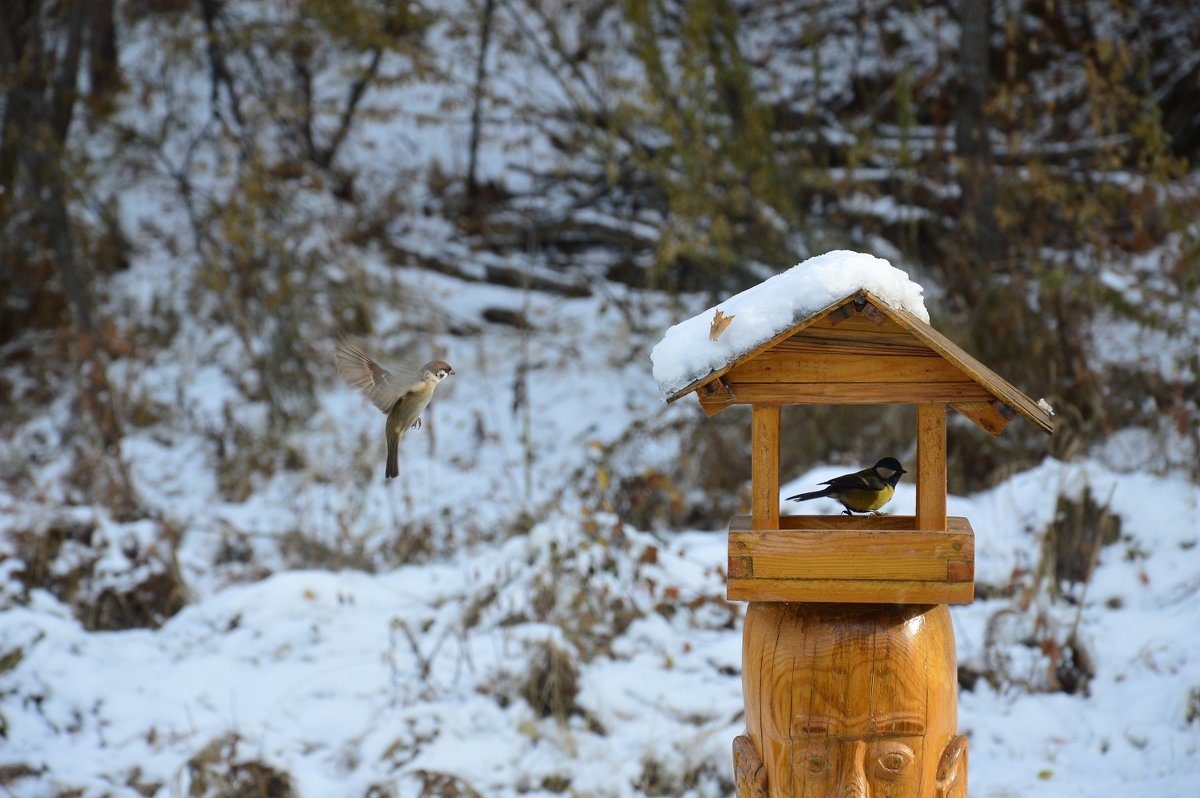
x=687 y=352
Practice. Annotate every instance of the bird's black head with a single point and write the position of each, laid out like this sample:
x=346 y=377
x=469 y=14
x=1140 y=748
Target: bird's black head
x=889 y=470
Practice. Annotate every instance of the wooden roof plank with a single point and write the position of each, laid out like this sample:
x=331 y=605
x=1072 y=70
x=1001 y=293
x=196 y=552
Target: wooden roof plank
x=998 y=386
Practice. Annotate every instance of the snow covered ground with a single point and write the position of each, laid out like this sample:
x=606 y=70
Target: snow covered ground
x=537 y=645
x=486 y=624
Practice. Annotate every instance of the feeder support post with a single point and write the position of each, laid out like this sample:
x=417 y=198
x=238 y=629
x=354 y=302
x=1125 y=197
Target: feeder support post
x=764 y=466
x=931 y=467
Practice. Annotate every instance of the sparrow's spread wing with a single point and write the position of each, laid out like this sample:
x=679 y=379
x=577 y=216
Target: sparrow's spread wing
x=383 y=386
x=860 y=480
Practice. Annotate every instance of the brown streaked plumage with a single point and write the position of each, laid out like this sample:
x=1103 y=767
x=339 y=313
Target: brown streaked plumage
x=401 y=392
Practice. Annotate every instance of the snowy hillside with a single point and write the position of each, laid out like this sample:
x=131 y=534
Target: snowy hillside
x=579 y=657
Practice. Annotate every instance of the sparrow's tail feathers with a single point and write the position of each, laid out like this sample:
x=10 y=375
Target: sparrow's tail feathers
x=803 y=497
x=393 y=460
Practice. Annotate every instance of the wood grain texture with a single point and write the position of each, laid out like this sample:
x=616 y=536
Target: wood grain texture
x=850 y=553
x=931 y=466
x=998 y=386
x=848 y=393
x=798 y=362
x=852 y=559
x=748 y=772
x=764 y=466
x=850 y=591
x=993 y=416
x=857 y=324
x=850 y=700
x=855 y=329
x=871 y=522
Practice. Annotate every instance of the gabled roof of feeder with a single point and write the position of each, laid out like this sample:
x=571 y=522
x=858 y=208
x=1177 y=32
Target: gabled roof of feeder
x=993 y=415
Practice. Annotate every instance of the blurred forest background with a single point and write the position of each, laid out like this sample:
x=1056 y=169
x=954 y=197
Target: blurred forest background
x=197 y=195
x=1032 y=163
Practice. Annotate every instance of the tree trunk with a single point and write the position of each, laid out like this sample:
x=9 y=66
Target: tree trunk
x=43 y=67
x=103 y=66
x=485 y=36
x=971 y=132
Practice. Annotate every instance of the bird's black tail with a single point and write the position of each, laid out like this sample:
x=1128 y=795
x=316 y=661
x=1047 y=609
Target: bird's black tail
x=393 y=460
x=803 y=497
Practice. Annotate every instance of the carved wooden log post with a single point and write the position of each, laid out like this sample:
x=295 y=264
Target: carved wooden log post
x=849 y=701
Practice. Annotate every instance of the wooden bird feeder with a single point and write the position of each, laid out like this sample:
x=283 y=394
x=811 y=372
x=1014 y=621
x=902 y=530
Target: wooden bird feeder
x=858 y=350
x=849 y=672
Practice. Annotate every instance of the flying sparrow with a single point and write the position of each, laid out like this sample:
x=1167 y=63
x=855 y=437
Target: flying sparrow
x=401 y=392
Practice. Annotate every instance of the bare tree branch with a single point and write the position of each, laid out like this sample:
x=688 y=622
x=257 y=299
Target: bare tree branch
x=357 y=90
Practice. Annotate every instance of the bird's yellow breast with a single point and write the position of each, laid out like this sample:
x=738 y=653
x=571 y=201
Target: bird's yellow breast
x=865 y=501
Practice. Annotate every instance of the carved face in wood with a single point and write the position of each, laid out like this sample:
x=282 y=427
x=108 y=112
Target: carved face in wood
x=852 y=701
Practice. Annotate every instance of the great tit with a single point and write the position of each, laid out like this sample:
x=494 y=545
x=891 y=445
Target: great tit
x=863 y=491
